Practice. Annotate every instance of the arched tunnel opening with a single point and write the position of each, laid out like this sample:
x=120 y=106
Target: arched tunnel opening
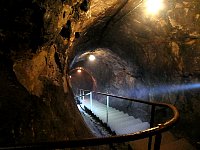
x=140 y=54
x=80 y=78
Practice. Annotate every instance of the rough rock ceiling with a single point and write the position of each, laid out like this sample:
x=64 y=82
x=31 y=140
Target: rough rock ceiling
x=150 y=39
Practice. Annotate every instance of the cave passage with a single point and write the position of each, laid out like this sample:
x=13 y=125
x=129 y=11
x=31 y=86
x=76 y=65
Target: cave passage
x=146 y=53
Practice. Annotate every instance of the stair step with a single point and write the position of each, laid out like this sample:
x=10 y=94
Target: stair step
x=115 y=124
x=113 y=119
x=181 y=144
x=120 y=146
x=132 y=129
x=169 y=142
x=118 y=121
x=126 y=123
x=117 y=114
x=102 y=111
x=120 y=127
x=167 y=137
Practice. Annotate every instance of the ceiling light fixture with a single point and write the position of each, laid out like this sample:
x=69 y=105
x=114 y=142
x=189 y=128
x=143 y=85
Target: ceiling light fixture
x=92 y=57
x=79 y=71
x=154 y=6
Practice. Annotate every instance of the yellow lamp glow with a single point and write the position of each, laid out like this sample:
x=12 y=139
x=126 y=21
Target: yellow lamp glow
x=92 y=58
x=154 y=6
x=79 y=70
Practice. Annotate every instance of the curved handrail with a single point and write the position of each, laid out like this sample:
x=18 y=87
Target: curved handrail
x=111 y=139
x=162 y=127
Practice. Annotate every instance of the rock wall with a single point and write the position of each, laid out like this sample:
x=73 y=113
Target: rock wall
x=36 y=102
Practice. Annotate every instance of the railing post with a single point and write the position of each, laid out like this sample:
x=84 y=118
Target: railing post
x=91 y=101
x=107 y=104
x=83 y=95
x=157 y=141
x=151 y=125
x=80 y=94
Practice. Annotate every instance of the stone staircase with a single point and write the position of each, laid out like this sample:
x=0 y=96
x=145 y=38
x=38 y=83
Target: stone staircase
x=121 y=123
x=118 y=121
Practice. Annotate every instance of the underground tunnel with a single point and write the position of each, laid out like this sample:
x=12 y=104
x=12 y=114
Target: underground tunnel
x=142 y=51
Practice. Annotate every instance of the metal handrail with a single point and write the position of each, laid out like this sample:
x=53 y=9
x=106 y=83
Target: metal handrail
x=157 y=130
x=173 y=108
x=153 y=104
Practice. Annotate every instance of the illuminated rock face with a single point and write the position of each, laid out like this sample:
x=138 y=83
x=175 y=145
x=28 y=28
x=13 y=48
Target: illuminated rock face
x=38 y=42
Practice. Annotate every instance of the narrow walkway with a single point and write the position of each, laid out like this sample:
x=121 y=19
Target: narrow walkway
x=118 y=121
x=169 y=142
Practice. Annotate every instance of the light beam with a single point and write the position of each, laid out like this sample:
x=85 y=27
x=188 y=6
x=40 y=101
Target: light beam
x=143 y=92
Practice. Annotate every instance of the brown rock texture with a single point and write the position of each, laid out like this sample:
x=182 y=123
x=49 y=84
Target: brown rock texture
x=36 y=103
